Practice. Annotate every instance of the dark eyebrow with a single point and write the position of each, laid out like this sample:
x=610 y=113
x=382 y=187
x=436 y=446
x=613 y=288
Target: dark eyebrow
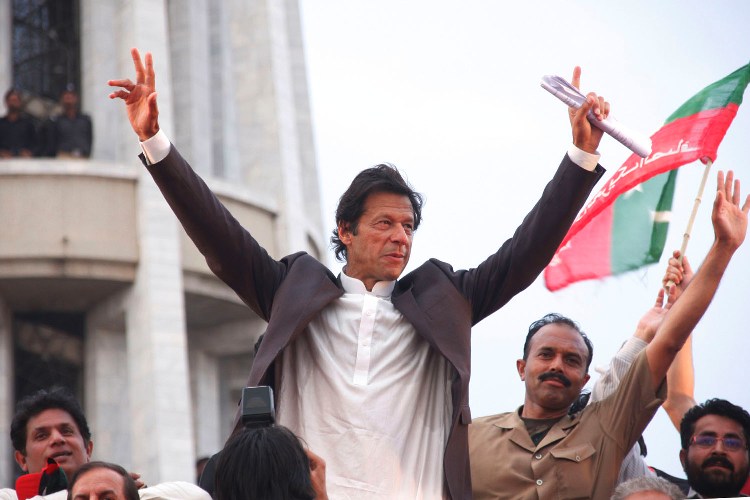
x=734 y=435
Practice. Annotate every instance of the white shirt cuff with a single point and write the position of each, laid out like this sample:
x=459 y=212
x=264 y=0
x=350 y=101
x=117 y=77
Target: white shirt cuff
x=156 y=148
x=583 y=159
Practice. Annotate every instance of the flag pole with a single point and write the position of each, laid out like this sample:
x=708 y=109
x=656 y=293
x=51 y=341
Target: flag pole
x=689 y=229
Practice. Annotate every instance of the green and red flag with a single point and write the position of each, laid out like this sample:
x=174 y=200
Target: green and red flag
x=624 y=226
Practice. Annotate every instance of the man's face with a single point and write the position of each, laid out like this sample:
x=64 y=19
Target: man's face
x=69 y=100
x=13 y=102
x=715 y=471
x=379 y=251
x=99 y=484
x=54 y=434
x=554 y=371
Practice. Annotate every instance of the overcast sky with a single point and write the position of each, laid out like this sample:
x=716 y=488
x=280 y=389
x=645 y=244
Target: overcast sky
x=449 y=92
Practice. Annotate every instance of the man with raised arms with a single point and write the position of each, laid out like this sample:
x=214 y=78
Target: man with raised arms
x=370 y=368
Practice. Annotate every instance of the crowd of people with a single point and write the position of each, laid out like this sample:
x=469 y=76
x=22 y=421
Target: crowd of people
x=370 y=369
x=66 y=133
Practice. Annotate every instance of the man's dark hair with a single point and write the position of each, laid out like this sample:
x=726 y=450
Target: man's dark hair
x=383 y=178
x=720 y=407
x=263 y=462
x=559 y=319
x=59 y=398
x=129 y=488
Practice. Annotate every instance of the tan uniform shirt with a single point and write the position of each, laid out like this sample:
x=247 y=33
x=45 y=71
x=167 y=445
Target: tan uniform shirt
x=578 y=458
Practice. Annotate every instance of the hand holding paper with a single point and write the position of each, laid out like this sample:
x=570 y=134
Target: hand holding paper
x=567 y=93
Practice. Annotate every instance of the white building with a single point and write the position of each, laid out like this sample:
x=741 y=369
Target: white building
x=100 y=288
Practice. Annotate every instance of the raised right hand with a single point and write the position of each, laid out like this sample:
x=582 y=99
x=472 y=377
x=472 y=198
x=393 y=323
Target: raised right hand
x=139 y=97
x=728 y=217
x=586 y=136
x=678 y=273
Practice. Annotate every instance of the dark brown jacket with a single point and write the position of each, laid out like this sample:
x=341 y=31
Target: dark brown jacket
x=441 y=304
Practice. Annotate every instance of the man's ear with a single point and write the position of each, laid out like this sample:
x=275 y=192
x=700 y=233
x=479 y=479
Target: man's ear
x=89 y=449
x=586 y=379
x=683 y=460
x=521 y=367
x=345 y=233
x=21 y=461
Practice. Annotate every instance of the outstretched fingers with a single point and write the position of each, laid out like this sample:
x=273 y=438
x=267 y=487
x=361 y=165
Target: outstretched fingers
x=120 y=94
x=126 y=87
x=720 y=190
x=140 y=71
x=125 y=83
x=659 y=298
x=729 y=188
x=737 y=193
x=150 y=75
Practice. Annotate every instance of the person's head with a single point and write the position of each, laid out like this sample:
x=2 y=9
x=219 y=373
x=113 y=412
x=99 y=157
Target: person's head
x=102 y=481
x=263 y=462
x=69 y=99
x=375 y=221
x=556 y=359
x=50 y=424
x=714 y=452
x=13 y=101
x=647 y=488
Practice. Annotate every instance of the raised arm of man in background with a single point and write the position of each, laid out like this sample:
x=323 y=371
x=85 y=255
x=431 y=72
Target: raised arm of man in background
x=729 y=220
x=634 y=465
x=681 y=375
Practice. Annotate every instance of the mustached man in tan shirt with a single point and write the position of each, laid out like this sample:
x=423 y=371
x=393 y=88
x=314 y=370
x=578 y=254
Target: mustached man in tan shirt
x=543 y=450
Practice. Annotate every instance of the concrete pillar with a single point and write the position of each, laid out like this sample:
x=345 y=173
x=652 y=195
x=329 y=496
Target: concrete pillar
x=142 y=24
x=100 y=49
x=204 y=383
x=6 y=59
x=194 y=73
x=292 y=215
x=233 y=373
x=316 y=219
x=221 y=357
x=226 y=157
x=106 y=392
x=162 y=424
x=7 y=398
x=266 y=115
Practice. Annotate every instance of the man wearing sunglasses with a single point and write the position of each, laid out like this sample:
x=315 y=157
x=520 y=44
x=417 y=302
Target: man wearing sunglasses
x=714 y=451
